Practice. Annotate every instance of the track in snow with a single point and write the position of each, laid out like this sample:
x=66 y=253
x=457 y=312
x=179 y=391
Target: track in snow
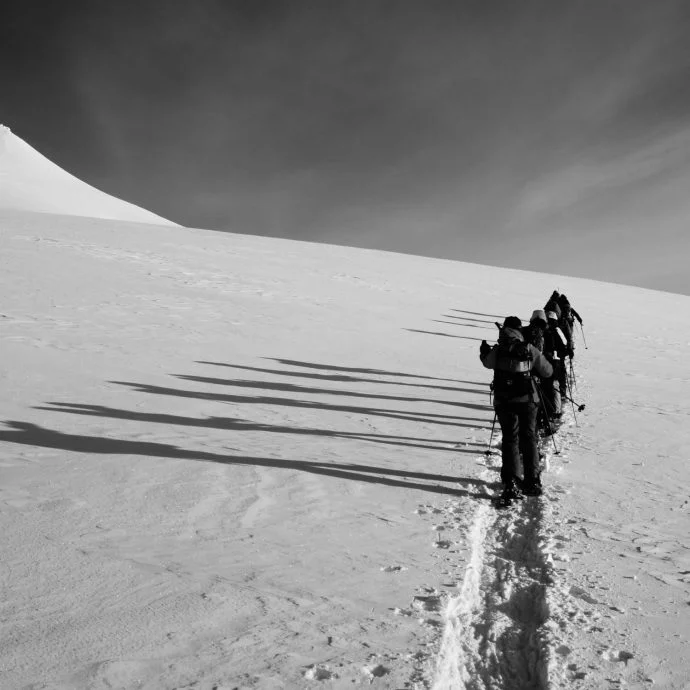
x=497 y=630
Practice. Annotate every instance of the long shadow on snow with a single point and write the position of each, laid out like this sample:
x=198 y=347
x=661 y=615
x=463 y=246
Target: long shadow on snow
x=357 y=370
x=446 y=335
x=292 y=388
x=465 y=325
x=479 y=313
x=344 y=378
x=33 y=435
x=469 y=318
x=428 y=417
x=236 y=424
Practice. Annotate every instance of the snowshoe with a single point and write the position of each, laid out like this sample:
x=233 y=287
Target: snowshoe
x=510 y=494
x=532 y=488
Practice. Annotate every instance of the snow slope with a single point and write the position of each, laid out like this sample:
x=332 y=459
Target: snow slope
x=30 y=182
x=239 y=462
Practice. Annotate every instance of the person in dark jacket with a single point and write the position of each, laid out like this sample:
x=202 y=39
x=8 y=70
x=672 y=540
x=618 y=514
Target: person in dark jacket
x=534 y=333
x=555 y=350
x=516 y=401
x=553 y=303
x=563 y=301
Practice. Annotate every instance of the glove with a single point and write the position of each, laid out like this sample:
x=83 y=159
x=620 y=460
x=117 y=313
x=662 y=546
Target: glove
x=484 y=349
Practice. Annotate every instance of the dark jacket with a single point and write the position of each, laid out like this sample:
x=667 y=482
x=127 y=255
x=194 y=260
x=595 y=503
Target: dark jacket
x=536 y=363
x=553 y=305
x=563 y=303
x=555 y=344
x=534 y=335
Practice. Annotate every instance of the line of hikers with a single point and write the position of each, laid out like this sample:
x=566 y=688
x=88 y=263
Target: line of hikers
x=530 y=387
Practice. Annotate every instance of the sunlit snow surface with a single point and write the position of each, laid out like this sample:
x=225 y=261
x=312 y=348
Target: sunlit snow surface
x=237 y=462
x=30 y=182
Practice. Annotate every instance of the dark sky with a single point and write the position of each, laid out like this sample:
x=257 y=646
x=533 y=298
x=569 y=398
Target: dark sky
x=552 y=135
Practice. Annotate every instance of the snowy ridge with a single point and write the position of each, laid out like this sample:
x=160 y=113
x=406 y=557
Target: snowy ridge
x=31 y=182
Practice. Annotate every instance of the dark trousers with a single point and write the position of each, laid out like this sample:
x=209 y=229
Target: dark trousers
x=519 y=428
x=551 y=394
x=563 y=378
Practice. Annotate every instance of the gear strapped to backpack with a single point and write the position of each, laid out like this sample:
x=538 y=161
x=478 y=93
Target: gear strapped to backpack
x=512 y=372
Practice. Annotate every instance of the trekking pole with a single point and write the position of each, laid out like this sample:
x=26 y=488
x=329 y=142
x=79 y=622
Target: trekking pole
x=584 y=340
x=572 y=375
x=543 y=406
x=491 y=438
x=569 y=397
x=579 y=406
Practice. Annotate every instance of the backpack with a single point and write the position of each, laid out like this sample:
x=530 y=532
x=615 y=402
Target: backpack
x=534 y=336
x=553 y=305
x=512 y=371
x=567 y=314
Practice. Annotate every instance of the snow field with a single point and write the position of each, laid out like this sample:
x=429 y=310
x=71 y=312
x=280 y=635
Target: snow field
x=231 y=462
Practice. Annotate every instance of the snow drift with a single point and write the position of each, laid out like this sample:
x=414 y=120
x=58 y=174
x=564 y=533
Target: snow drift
x=30 y=182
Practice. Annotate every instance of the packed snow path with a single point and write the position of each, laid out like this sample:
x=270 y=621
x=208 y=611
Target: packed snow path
x=496 y=632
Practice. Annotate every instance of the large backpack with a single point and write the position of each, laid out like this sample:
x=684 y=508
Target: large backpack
x=512 y=370
x=534 y=335
x=567 y=315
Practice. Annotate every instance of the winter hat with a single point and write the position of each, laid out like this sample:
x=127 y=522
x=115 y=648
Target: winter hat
x=512 y=322
x=538 y=314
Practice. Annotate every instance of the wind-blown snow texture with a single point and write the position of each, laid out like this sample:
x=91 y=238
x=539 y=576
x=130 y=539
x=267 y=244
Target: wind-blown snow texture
x=237 y=462
x=30 y=182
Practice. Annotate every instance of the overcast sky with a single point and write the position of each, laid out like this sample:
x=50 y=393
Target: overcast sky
x=551 y=135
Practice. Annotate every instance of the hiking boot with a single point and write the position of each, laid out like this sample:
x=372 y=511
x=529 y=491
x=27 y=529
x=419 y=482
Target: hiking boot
x=532 y=488
x=511 y=491
x=552 y=426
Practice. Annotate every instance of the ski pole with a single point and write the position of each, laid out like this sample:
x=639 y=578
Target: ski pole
x=584 y=340
x=491 y=438
x=541 y=399
x=579 y=406
x=572 y=403
x=572 y=375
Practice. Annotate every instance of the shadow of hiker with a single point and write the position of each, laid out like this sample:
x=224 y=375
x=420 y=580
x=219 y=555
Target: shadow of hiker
x=357 y=370
x=527 y=606
x=446 y=335
x=30 y=434
x=292 y=388
x=469 y=318
x=464 y=325
x=427 y=417
x=479 y=313
x=236 y=424
x=346 y=378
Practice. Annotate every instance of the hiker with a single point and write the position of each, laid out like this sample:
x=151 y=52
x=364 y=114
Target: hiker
x=534 y=332
x=553 y=304
x=516 y=402
x=555 y=350
x=563 y=301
